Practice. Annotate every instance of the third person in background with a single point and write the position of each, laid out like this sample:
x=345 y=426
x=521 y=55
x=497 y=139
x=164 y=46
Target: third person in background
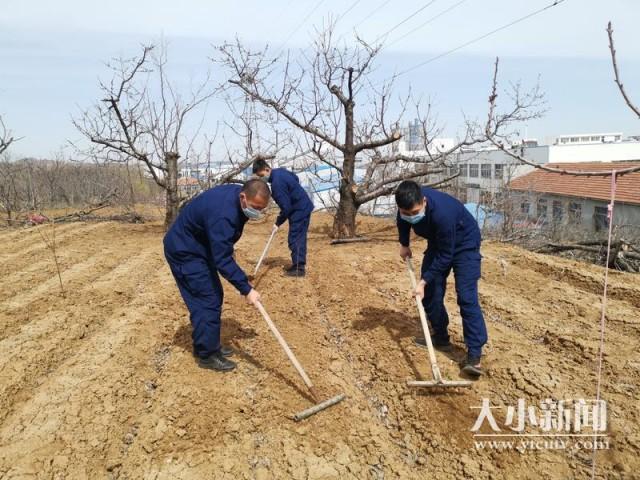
x=295 y=206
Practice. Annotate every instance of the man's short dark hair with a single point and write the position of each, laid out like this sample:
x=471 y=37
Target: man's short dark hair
x=256 y=188
x=259 y=165
x=408 y=195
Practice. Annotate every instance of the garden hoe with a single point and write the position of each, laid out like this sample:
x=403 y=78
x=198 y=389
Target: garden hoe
x=437 y=381
x=266 y=248
x=294 y=361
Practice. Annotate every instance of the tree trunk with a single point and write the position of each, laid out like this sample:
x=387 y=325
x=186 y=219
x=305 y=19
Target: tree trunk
x=344 y=221
x=132 y=192
x=171 y=190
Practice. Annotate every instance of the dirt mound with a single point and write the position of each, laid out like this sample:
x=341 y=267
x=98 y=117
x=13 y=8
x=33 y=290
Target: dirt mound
x=100 y=383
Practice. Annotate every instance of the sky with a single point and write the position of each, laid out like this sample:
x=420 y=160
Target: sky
x=54 y=53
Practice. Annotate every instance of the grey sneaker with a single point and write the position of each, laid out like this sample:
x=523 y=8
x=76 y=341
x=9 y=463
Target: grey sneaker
x=295 y=271
x=471 y=366
x=438 y=345
x=218 y=362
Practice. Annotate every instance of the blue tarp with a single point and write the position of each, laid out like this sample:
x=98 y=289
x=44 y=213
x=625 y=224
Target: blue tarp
x=484 y=216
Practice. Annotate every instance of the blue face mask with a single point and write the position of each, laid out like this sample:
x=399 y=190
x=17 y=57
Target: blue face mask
x=251 y=213
x=413 y=219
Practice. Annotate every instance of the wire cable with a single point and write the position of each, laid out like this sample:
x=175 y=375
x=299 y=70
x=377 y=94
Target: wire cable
x=295 y=30
x=481 y=37
x=427 y=22
x=353 y=5
x=384 y=4
x=405 y=20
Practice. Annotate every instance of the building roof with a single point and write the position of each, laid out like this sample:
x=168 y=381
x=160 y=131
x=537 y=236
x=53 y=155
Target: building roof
x=187 y=181
x=597 y=188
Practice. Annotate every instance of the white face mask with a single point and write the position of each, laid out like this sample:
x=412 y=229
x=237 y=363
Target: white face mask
x=252 y=213
x=413 y=219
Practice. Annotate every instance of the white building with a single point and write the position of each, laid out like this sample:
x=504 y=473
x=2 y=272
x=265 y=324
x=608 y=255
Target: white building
x=487 y=170
x=588 y=138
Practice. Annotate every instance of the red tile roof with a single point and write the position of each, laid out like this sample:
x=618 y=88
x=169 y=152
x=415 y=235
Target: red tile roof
x=187 y=181
x=599 y=188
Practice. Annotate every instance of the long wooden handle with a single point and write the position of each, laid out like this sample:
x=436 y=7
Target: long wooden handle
x=264 y=252
x=285 y=347
x=423 y=321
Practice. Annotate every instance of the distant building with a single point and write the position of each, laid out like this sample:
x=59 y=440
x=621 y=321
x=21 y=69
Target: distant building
x=413 y=142
x=188 y=186
x=588 y=138
x=600 y=147
x=552 y=198
x=483 y=172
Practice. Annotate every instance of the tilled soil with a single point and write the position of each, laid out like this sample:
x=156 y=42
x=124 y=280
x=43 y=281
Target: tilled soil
x=100 y=382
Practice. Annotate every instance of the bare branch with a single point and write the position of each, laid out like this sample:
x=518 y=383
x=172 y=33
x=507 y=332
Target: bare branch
x=495 y=123
x=617 y=74
x=6 y=138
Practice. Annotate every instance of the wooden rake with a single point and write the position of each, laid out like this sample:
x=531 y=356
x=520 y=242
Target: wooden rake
x=319 y=406
x=264 y=252
x=437 y=381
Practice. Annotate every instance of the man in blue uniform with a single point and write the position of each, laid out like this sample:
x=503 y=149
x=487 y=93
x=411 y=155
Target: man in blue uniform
x=453 y=243
x=295 y=206
x=198 y=246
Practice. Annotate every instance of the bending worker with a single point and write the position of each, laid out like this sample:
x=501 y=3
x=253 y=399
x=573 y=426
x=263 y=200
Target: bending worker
x=295 y=206
x=198 y=247
x=453 y=243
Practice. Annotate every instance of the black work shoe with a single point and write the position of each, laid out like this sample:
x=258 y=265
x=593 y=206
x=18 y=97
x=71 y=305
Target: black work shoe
x=218 y=362
x=471 y=366
x=437 y=344
x=295 y=271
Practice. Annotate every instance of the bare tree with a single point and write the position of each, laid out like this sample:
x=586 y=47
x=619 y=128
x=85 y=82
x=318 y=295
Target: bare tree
x=10 y=195
x=11 y=200
x=6 y=137
x=526 y=106
x=50 y=243
x=317 y=95
x=142 y=117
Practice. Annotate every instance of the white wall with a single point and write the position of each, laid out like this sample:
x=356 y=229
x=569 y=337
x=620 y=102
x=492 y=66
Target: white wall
x=603 y=152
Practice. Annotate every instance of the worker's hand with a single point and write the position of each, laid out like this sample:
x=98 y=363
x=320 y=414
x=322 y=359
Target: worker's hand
x=275 y=228
x=419 y=292
x=405 y=252
x=253 y=296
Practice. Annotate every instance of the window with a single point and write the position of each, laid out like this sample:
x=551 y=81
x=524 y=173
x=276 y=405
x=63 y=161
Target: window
x=499 y=173
x=542 y=208
x=601 y=218
x=557 y=211
x=473 y=170
x=463 y=170
x=575 y=139
x=524 y=207
x=595 y=139
x=575 y=212
x=485 y=170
